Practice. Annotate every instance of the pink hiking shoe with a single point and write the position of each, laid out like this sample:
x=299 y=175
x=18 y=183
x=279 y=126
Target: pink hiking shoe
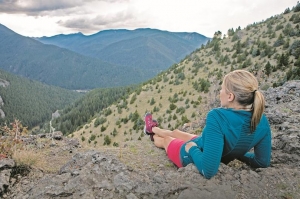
x=149 y=124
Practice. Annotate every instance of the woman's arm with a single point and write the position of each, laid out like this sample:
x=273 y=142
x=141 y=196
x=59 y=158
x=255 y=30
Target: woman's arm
x=208 y=161
x=262 y=153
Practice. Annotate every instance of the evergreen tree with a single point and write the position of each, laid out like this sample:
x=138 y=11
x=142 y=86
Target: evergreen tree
x=268 y=68
x=238 y=47
x=107 y=140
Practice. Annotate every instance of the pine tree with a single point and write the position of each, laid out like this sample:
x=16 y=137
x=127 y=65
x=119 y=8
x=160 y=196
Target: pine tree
x=268 y=68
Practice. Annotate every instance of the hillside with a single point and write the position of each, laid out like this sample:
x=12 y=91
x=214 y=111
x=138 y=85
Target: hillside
x=30 y=101
x=60 y=67
x=86 y=108
x=187 y=90
x=149 y=50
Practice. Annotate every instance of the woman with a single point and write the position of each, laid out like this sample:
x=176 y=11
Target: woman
x=230 y=131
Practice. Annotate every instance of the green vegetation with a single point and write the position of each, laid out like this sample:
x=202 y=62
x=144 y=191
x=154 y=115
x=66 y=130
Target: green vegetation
x=30 y=101
x=87 y=107
x=11 y=142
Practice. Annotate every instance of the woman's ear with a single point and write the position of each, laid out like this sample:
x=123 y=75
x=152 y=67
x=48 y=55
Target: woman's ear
x=231 y=97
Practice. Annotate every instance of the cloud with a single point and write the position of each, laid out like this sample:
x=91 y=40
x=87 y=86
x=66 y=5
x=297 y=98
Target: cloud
x=123 y=18
x=36 y=7
x=90 y=16
x=78 y=15
x=44 y=7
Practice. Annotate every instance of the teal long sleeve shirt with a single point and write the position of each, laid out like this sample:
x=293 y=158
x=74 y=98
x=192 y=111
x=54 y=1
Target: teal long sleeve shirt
x=227 y=136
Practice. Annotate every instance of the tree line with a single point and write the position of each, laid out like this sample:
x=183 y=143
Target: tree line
x=86 y=108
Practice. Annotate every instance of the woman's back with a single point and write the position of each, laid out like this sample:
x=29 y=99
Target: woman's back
x=238 y=138
x=227 y=136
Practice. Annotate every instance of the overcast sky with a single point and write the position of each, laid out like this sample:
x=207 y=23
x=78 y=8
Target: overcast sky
x=37 y=18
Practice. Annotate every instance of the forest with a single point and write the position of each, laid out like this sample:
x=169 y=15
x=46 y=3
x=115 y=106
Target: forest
x=30 y=101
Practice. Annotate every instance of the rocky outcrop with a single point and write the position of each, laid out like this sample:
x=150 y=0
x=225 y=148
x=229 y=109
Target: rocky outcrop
x=98 y=175
x=283 y=112
x=95 y=174
x=6 y=166
x=3 y=83
x=2 y=114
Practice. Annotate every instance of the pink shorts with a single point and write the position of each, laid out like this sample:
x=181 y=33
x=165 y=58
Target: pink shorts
x=173 y=151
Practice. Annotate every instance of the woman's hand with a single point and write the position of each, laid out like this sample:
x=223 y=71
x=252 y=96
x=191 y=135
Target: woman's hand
x=189 y=145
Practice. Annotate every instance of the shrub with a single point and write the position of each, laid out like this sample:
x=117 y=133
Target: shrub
x=115 y=132
x=152 y=101
x=235 y=38
x=107 y=112
x=115 y=144
x=107 y=140
x=10 y=141
x=99 y=121
x=133 y=98
x=172 y=106
x=92 y=137
x=103 y=128
x=280 y=41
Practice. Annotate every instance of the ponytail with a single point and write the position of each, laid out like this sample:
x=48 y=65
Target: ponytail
x=258 y=108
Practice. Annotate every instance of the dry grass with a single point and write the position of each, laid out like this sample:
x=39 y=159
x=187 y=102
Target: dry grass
x=31 y=158
x=143 y=155
x=49 y=158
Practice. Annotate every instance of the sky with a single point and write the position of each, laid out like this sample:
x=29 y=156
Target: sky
x=37 y=18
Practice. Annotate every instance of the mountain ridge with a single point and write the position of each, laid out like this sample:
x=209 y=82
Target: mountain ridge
x=106 y=44
x=62 y=67
x=53 y=65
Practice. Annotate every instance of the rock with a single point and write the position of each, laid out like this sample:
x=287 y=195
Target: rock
x=6 y=163
x=2 y=114
x=4 y=83
x=57 y=135
x=6 y=166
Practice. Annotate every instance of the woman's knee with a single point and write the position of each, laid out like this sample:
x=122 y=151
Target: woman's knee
x=176 y=131
x=158 y=141
x=167 y=141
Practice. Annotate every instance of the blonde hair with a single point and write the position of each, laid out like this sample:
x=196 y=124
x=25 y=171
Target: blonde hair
x=244 y=86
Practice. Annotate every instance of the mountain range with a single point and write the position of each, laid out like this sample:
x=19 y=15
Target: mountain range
x=129 y=57
x=149 y=49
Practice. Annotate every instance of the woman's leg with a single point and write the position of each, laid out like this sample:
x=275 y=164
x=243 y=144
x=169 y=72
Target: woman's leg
x=162 y=142
x=174 y=134
x=172 y=147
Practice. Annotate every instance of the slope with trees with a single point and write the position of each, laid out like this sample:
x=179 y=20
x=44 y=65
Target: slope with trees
x=30 y=101
x=187 y=90
x=86 y=108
